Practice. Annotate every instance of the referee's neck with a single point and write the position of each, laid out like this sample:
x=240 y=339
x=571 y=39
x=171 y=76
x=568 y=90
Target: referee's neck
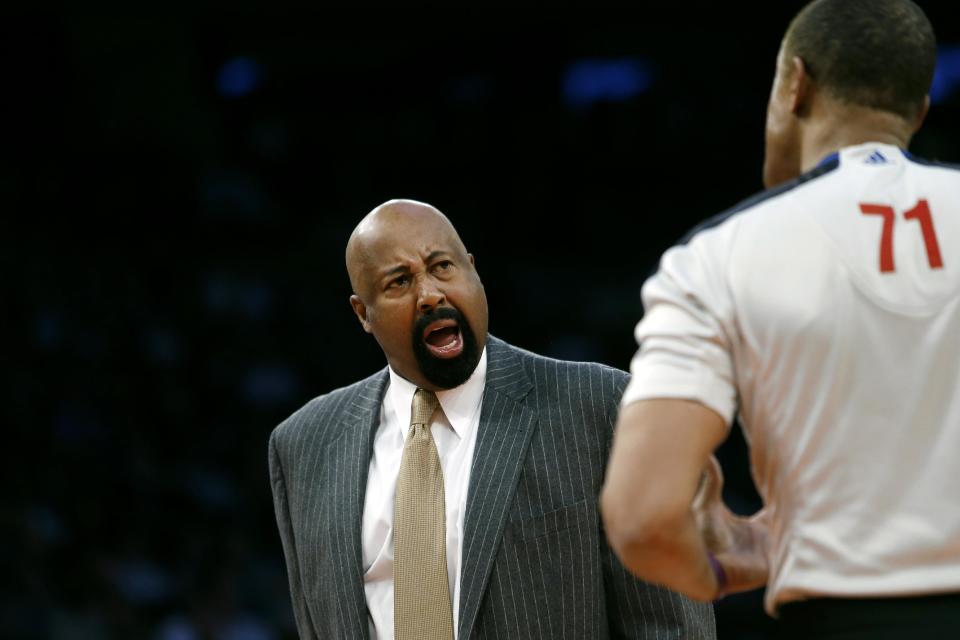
x=836 y=126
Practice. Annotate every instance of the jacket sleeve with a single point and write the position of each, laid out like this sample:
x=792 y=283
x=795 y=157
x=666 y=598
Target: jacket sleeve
x=281 y=507
x=636 y=609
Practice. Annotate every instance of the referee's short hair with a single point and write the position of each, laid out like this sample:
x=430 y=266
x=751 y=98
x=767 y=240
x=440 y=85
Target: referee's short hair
x=873 y=53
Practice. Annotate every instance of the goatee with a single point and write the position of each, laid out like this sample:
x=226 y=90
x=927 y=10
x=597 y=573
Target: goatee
x=452 y=372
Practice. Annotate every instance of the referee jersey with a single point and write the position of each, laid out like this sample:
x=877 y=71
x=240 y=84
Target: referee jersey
x=826 y=313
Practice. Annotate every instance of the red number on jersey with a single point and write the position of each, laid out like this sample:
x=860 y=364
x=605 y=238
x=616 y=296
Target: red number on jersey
x=920 y=213
x=886 y=238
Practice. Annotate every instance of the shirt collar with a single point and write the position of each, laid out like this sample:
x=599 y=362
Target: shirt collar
x=873 y=151
x=460 y=404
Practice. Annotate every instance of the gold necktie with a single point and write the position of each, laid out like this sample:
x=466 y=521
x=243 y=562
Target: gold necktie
x=421 y=591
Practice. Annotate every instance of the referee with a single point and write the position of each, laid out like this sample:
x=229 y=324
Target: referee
x=825 y=314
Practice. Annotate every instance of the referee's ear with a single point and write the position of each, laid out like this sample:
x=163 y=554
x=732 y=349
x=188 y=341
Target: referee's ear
x=802 y=88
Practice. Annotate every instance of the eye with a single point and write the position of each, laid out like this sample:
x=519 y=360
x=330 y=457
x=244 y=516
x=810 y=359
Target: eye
x=399 y=281
x=443 y=265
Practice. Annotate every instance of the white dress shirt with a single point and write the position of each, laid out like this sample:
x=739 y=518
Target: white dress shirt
x=454 y=431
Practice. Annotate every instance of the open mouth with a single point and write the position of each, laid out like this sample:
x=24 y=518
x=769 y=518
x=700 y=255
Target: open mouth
x=443 y=338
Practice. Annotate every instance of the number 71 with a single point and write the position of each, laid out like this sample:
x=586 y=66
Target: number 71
x=920 y=213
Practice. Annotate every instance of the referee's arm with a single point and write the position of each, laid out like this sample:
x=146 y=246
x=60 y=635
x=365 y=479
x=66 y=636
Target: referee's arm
x=675 y=412
x=660 y=449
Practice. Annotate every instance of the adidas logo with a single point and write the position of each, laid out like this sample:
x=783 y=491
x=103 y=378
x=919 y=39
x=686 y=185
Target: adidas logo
x=876 y=158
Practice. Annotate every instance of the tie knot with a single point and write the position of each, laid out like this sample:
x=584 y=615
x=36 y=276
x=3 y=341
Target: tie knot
x=424 y=404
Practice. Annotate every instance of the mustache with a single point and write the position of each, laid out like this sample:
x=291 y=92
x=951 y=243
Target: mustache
x=442 y=313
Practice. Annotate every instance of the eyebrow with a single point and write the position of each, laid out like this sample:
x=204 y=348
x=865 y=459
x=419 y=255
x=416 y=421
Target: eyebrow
x=435 y=254
x=395 y=271
x=404 y=269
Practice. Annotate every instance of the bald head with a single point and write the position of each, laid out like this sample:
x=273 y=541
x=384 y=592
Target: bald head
x=416 y=290
x=385 y=226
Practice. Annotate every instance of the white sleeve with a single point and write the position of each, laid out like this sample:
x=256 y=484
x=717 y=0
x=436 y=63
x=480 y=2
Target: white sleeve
x=685 y=336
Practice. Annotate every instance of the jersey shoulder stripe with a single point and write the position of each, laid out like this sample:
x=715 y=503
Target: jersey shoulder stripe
x=931 y=163
x=825 y=167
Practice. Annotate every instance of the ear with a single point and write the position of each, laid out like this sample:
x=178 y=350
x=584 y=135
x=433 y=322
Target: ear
x=800 y=86
x=921 y=114
x=472 y=262
x=360 y=310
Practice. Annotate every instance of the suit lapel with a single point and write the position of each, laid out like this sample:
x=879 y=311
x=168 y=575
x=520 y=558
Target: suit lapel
x=348 y=459
x=504 y=432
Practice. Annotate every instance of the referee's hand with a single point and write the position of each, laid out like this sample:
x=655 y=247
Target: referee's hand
x=739 y=543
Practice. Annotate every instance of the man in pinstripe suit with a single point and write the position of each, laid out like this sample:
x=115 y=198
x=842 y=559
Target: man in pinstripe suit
x=522 y=441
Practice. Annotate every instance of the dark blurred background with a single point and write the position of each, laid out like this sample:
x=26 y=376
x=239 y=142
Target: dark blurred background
x=176 y=192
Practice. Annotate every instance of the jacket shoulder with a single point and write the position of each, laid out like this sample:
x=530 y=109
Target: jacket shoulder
x=322 y=413
x=555 y=377
x=566 y=367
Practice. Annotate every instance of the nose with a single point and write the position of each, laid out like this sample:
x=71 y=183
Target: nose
x=429 y=296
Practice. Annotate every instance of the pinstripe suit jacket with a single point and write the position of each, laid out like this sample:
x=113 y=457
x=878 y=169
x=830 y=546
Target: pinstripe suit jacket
x=535 y=560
